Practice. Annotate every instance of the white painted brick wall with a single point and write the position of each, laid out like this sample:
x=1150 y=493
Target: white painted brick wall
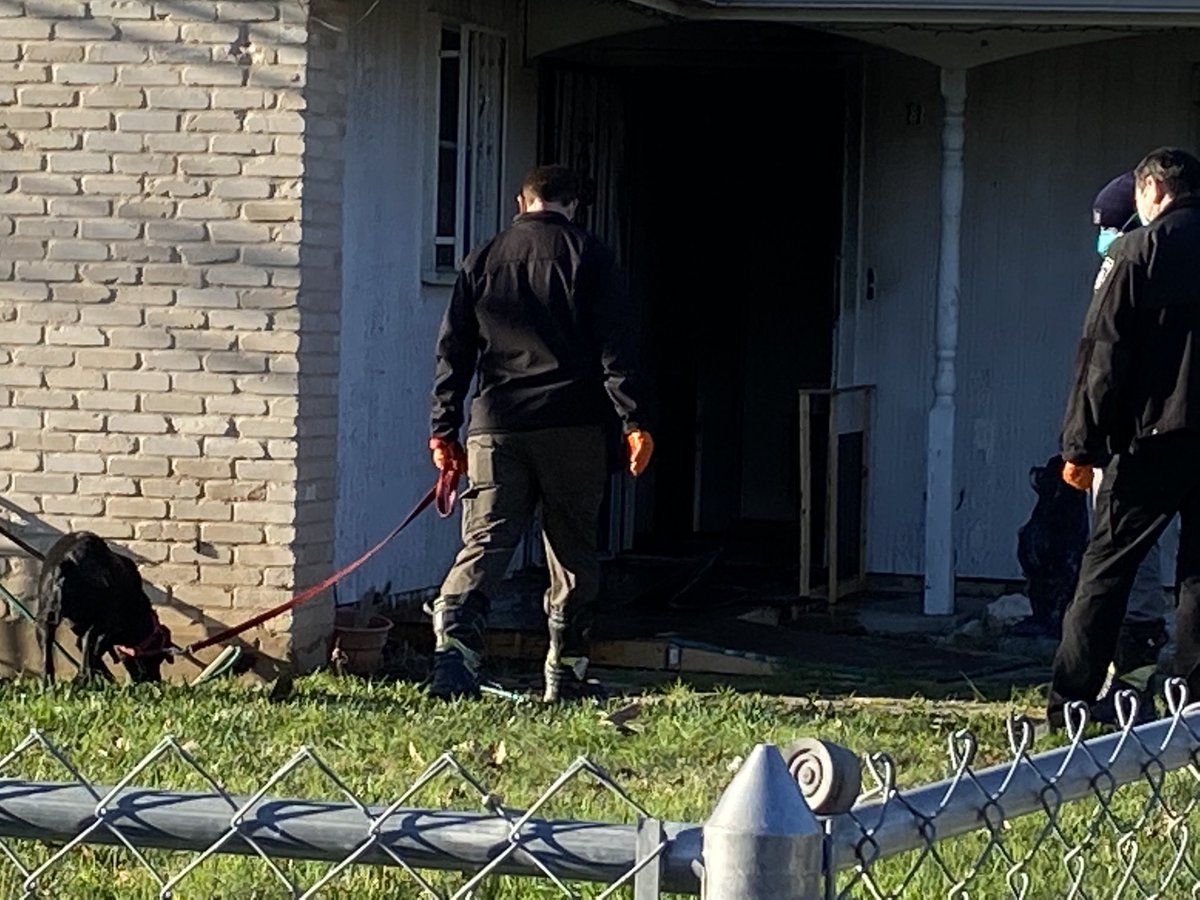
x=155 y=278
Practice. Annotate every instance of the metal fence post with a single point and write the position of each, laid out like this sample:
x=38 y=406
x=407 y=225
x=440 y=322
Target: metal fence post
x=762 y=842
x=647 y=884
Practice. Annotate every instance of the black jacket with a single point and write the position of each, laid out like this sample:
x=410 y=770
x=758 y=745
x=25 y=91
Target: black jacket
x=1137 y=373
x=541 y=315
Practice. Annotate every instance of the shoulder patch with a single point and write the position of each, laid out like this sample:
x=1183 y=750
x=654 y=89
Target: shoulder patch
x=1105 y=268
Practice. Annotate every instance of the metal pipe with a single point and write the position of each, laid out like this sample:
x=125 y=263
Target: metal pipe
x=317 y=830
x=958 y=806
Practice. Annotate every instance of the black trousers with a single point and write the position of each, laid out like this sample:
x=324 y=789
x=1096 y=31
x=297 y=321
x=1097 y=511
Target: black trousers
x=564 y=470
x=1142 y=491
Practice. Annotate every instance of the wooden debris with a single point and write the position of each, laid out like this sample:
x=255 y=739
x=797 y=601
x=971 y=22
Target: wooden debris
x=664 y=654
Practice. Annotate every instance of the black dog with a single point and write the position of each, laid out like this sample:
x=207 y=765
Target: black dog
x=1050 y=547
x=100 y=594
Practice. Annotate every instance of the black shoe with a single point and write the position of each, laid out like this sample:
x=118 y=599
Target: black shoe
x=459 y=623
x=1104 y=711
x=570 y=682
x=1140 y=644
x=453 y=677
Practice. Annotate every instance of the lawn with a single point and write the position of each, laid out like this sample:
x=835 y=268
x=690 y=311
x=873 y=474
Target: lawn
x=674 y=758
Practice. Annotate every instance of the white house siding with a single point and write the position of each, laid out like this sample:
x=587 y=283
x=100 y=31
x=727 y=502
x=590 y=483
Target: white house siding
x=389 y=315
x=1044 y=133
x=888 y=341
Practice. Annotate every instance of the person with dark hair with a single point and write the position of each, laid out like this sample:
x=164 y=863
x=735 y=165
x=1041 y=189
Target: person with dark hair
x=1165 y=174
x=1134 y=410
x=539 y=317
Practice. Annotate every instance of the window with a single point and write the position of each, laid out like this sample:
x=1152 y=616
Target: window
x=470 y=137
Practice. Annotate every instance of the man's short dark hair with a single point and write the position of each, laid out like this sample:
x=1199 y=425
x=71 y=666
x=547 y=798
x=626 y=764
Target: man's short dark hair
x=552 y=184
x=1177 y=170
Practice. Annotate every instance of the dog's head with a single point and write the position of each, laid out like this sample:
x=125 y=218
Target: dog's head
x=136 y=635
x=145 y=667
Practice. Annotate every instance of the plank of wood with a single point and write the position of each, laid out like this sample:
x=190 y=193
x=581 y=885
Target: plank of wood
x=660 y=654
x=805 y=495
x=832 y=501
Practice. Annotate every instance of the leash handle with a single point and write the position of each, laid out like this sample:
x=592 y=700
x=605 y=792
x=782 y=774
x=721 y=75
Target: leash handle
x=443 y=494
x=446 y=491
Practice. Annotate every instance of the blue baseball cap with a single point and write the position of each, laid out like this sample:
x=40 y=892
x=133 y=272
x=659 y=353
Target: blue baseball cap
x=1114 y=206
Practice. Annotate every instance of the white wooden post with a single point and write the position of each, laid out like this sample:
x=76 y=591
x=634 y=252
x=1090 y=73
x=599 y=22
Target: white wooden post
x=939 y=480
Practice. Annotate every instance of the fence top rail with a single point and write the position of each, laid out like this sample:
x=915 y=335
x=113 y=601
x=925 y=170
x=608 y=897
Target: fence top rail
x=969 y=800
x=329 y=831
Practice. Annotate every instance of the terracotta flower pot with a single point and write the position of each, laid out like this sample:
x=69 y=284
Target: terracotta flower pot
x=360 y=645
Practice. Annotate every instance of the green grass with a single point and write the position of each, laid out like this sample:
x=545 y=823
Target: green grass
x=674 y=759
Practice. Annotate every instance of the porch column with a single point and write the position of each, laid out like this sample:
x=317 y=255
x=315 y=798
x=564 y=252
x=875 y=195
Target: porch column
x=939 y=474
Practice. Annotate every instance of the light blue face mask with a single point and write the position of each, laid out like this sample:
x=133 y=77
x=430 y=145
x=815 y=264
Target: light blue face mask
x=1106 y=238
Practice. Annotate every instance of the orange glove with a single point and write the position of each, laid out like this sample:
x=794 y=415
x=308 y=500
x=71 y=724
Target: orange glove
x=641 y=448
x=1077 y=476
x=448 y=454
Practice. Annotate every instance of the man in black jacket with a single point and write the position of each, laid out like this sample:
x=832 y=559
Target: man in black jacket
x=1135 y=410
x=540 y=318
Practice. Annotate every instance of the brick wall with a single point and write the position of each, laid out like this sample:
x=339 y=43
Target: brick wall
x=170 y=219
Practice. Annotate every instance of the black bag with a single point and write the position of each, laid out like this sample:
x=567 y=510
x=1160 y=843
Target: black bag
x=1051 y=543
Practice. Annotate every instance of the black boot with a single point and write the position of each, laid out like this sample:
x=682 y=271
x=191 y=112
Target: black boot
x=1139 y=645
x=1104 y=711
x=459 y=623
x=1136 y=661
x=566 y=664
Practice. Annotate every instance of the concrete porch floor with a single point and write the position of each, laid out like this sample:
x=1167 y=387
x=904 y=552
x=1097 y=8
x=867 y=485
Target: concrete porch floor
x=878 y=642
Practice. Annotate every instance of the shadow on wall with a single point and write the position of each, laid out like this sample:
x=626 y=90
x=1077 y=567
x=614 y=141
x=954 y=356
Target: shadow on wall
x=19 y=652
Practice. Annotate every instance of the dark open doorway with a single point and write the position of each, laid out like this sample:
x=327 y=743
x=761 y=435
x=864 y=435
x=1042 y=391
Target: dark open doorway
x=735 y=234
x=716 y=154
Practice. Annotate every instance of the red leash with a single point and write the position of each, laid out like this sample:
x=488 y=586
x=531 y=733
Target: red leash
x=441 y=496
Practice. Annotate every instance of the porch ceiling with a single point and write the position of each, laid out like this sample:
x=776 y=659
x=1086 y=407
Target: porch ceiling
x=954 y=33
x=966 y=46
x=1111 y=12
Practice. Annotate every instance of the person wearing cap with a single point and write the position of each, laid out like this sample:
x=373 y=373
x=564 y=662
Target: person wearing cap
x=1144 y=631
x=1134 y=410
x=540 y=320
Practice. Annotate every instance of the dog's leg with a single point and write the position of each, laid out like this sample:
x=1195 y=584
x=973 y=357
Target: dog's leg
x=92 y=660
x=46 y=632
x=86 y=655
x=49 y=614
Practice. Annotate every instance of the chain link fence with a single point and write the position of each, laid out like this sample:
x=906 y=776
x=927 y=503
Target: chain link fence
x=1104 y=815
x=50 y=831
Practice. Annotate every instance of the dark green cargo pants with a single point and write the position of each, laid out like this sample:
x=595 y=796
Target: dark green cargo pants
x=510 y=474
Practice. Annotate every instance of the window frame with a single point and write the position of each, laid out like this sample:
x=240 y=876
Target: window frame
x=465 y=193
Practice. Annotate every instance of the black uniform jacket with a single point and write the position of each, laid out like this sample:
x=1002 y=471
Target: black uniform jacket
x=1137 y=373
x=541 y=315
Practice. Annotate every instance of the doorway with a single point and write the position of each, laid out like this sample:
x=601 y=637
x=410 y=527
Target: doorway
x=736 y=230
x=722 y=186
